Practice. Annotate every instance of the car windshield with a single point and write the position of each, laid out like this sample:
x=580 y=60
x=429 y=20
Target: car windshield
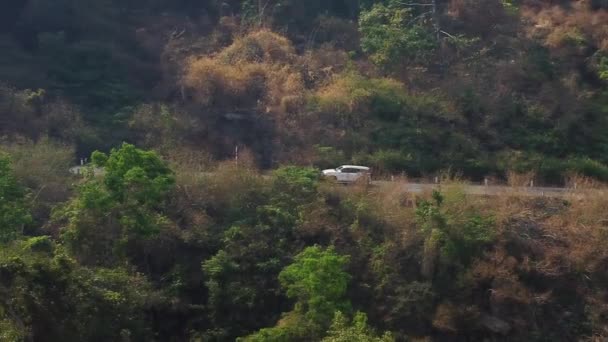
x=339 y=168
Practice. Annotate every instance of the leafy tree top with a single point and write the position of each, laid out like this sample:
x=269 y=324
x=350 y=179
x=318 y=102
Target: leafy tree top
x=318 y=281
x=131 y=171
x=394 y=31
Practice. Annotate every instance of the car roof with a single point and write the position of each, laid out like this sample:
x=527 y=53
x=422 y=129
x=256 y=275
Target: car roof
x=355 y=167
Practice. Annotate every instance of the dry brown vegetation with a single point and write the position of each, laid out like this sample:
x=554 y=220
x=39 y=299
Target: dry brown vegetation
x=34 y=114
x=576 y=26
x=42 y=166
x=256 y=71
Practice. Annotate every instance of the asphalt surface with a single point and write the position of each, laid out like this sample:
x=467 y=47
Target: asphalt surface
x=469 y=189
x=481 y=190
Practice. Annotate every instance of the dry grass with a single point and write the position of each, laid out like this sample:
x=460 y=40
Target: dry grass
x=516 y=179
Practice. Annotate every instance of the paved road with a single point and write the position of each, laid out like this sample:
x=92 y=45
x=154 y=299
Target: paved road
x=418 y=188
x=492 y=190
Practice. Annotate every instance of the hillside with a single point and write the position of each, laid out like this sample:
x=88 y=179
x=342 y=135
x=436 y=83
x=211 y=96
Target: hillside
x=480 y=88
x=178 y=241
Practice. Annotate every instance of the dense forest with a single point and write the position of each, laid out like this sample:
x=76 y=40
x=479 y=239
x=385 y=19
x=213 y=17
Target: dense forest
x=166 y=237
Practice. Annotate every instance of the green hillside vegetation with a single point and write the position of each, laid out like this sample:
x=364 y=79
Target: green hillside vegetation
x=176 y=240
x=152 y=251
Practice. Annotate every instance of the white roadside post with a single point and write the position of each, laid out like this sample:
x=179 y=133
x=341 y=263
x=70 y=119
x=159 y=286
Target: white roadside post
x=236 y=155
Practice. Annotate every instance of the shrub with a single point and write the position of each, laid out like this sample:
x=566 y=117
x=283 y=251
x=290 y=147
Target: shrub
x=353 y=95
x=255 y=72
x=42 y=166
x=258 y=47
x=219 y=84
x=588 y=167
x=39 y=244
x=578 y=25
x=388 y=161
x=328 y=157
x=32 y=113
x=458 y=234
x=293 y=186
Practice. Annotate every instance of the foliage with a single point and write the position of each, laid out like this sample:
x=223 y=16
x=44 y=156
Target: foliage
x=137 y=252
x=459 y=236
x=109 y=213
x=356 y=331
x=294 y=186
x=134 y=174
x=352 y=99
x=260 y=250
x=14 y=214
x=393 y=31
x=46 y=295
x=318 y=282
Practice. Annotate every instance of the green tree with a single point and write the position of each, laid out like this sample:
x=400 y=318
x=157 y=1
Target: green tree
x=14 y=214
x=395 y=32
x=242 y=276
x=293 y=186
x=46 y=295
x=117 y=210
x=358 y=330
x=318 y=282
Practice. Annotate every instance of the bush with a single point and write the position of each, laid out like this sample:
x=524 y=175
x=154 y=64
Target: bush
x=328 y=157
x=34 y=114
x=552 y=170
x=458 y=234
x=42 y=166
x=254 y=71
x=353 y=96
x=388 y=161
x=218 y=84
x=588 y=167
x=293 y=186
x=261 y=46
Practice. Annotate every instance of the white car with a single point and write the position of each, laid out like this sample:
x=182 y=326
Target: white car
x=348 y=173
